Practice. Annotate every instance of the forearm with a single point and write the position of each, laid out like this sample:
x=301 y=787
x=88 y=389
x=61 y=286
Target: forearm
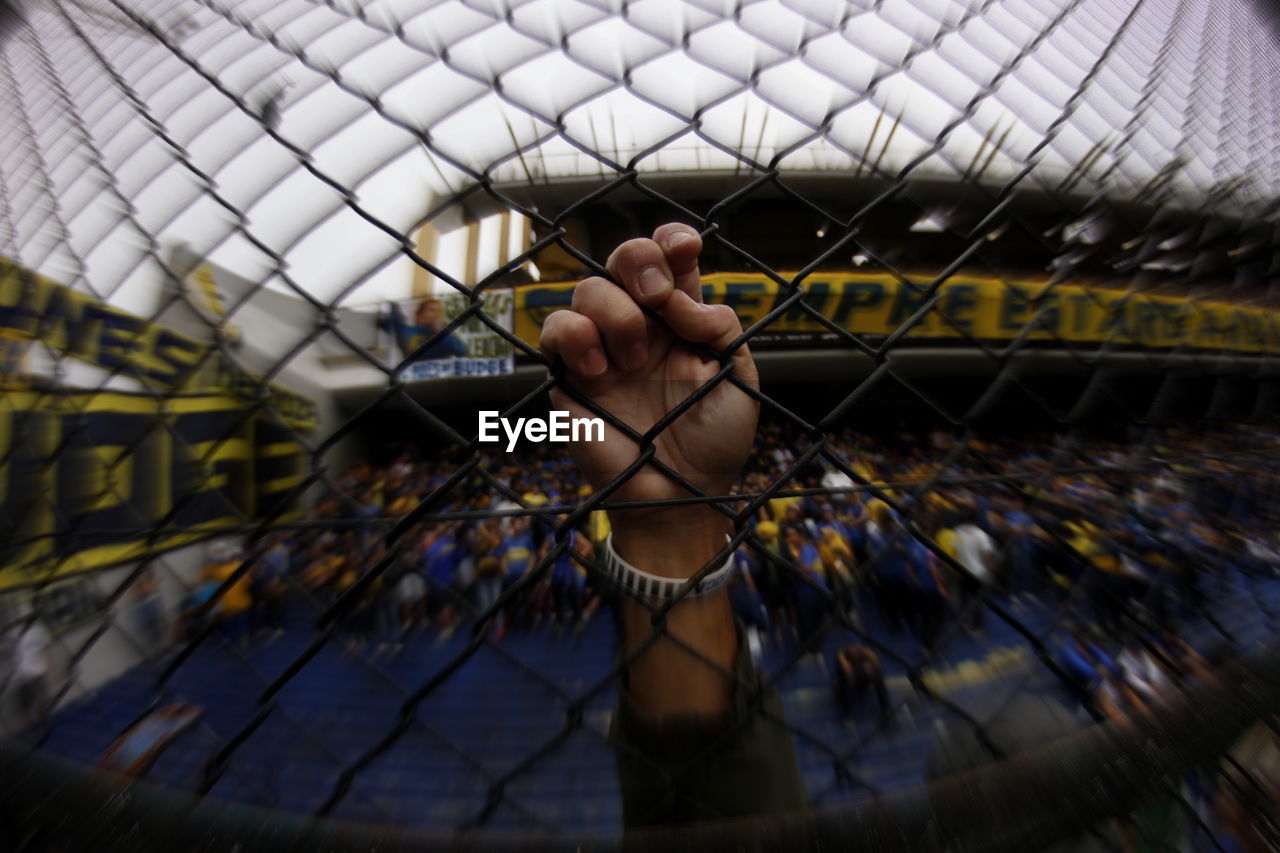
x=699 y=734
x=687 y=668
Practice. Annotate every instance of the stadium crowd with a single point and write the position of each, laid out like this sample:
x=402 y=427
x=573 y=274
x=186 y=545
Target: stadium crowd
x=1139 y=528
x=907 y=536
x=1141 y=535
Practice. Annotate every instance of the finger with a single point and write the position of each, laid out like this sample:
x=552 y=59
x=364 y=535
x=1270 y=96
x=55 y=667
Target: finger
x=640 y=266
x=701 y=323
x=715 y=325
x=618 y=319
x=574 y=338
x=682 y=244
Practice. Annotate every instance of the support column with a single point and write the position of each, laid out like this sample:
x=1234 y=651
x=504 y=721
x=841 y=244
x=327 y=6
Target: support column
x=424 y=282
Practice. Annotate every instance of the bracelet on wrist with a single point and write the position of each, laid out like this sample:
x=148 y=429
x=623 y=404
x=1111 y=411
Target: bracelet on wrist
x=641 y=584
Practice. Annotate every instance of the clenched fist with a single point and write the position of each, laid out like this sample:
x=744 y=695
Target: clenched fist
x=639 y=370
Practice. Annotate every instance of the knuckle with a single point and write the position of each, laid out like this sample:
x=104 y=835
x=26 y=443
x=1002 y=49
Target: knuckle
x=636 y=252
x=719 y=313
x=548 y=330
x=589 y=291
x=664 y=233
x=554 y=327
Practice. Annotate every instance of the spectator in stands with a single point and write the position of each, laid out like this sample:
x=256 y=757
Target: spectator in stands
x=569 y=591
x=976 y=551
x=348 y=572
x=837 y=559
x=1105 y=573
x=930 y=592
x=1021 y=550
x=411 y=594
x=366 y=512
x=857 y=670
x=153 y=630
x=236 y=600
x=748 y=607
x=321 y=569
x=1085 y=667
x=888 y=564
x=197 y=609
x=517 y=555
x=31 y=668
x=487 y=586
x=517 y=551
x=428 y=321
x=268 y=586
x=777 y=590
x=443 y=557
x=812 y=593
x=1142 y=672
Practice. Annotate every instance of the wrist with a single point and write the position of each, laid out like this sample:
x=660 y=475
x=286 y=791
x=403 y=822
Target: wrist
x=672 y=545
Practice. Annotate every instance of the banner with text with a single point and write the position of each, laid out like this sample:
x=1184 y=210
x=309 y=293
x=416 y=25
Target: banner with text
x=35 y=308
x=90 y=481
x=876 y=305
x=471 y=348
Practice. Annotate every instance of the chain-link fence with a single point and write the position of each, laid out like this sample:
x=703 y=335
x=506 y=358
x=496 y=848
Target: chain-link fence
x=1004 y=569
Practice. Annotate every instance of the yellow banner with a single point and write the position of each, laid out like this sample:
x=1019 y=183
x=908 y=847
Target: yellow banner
x=876 y=305
x=93 y=479
x=36 y=308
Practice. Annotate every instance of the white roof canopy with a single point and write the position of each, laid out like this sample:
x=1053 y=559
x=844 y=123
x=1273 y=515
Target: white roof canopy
x=296 y=140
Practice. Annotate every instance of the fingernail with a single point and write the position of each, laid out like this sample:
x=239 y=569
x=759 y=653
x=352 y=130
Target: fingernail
x=653 y=280
x=593 y=362
x=677 y=238
x=637 y=355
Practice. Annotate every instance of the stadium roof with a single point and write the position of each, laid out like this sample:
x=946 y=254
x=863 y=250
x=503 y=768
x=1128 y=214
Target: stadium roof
x=334 y=126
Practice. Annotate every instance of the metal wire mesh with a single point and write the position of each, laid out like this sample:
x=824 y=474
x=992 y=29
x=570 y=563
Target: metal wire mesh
x=1120 y=407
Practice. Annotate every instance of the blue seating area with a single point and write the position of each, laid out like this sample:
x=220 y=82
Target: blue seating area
x=502 y=719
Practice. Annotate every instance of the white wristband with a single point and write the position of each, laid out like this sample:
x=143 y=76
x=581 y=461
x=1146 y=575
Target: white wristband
x=642 y=584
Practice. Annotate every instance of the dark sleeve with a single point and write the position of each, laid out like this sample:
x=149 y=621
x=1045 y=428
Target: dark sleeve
x=693 y=768
x=399 y=330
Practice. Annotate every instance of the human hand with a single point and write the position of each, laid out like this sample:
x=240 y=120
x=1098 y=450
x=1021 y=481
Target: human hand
x=640 y=369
